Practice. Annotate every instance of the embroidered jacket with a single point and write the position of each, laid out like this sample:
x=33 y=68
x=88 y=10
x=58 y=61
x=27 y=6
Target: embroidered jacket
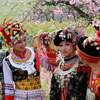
x=77 y=85
x=93 y=91
x=22 y=76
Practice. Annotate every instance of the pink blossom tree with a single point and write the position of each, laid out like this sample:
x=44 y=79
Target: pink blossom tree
x=88 y=10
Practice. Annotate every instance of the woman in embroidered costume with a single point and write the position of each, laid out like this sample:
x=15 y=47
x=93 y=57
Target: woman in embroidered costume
x=89 y=51
x=70 y=76
x=21 y=67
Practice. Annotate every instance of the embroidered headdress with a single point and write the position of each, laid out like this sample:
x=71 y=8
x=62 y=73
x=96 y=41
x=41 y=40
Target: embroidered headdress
x=44 y=38
x=12 y=31
x=68 y=35
x=88 y=48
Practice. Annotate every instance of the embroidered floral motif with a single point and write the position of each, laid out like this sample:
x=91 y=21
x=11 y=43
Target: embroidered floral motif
x=29 y=84
x=94 y=84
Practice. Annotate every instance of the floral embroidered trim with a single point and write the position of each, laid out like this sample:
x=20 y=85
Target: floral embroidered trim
x=29 y=84
x=96 y=85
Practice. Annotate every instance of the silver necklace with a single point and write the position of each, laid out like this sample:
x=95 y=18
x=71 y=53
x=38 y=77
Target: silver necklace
x=60 y=74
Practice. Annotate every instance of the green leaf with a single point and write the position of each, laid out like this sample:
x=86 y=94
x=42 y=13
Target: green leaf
x=80 y=19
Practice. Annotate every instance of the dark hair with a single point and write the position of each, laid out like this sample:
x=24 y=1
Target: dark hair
x=58 y=39
x=88 y=48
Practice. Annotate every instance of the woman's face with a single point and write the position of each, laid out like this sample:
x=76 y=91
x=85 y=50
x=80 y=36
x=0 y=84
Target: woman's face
x=67 y=49
x=20 y=45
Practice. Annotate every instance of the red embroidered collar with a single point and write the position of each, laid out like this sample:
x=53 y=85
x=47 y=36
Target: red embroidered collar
x=18 y=54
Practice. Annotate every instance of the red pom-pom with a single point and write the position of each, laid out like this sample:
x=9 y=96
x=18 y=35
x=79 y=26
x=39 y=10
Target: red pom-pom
x=98 y=33
x=87 y=41
x=24 y=30
x=20 y=33
x=2 y=29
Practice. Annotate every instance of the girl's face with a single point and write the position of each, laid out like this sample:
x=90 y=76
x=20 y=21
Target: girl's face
x=67 y=49
x=20 y=45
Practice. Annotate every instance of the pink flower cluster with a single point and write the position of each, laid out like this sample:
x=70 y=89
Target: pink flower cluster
x=95 y=22
x=72 y=2
x=52 y=27
x=59 y=11
x=93 y=9
x=38 y=22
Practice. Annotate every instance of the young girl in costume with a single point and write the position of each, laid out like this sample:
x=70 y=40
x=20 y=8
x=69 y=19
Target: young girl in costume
x=21 y=67
x=70 y=76
x=89 y=51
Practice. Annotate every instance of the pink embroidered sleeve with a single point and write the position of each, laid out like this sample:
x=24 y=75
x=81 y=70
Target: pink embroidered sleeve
x=44 y=60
